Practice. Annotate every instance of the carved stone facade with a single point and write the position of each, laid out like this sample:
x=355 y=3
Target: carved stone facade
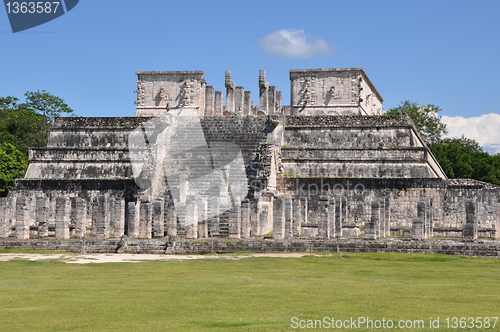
x=158 y=91
x=346 y=91
x=307 y=173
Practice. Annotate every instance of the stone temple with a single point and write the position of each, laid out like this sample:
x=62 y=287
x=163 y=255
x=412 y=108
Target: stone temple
x=193 y=164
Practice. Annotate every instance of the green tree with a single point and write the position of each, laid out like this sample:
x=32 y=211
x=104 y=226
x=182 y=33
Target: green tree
x=425 y=118
x=24 y=125
x=13 y=165
x=463 y=158
x=28 y=124
x=47 y=104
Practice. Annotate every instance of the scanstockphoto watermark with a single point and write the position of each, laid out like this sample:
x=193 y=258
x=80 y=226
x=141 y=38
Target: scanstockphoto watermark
x=25 y=15
x=385 y=324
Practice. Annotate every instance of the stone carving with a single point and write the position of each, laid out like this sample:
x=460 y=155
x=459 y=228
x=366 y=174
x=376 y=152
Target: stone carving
x=141 y=93
x=308 y=92
x=187 y=93
x=239 y=176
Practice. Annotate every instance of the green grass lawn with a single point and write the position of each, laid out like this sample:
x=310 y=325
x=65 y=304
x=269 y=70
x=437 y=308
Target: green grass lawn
x=250 y=294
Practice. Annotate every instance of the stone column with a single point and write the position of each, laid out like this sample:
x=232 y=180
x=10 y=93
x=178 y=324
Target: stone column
x=202 y=208
x=229 y=92
x=245 y=219
x=247 y=104
x=22 y=218
x=419 y=223
x=145 y=212
x=338 y=216
x=100 y=223
x=191 y=222
x=239 y=100
x=214 y=220
x=387 y=217
x=209 y=100
x=119 y=217
x=278 y=103
x=3 y=218
x=278 y=217
x=62 y=218
x=299 y=214
x=171 y=217
x=265 y=215
x=372 y=229
x=322 y=215
x=288 y=217
x=263 y=92
x=80 y=217
x=111 y=213
x=331 y=218
x=219 y=103
x=158 y=218
x=235 y=222
x=418 y=228
x=254 y=219
x=41 y=217
x=428 y=227
x=133 y=219
x=271 y=100
x=471 y=225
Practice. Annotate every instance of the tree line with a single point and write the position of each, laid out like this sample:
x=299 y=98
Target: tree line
x=24 y=125
x=460 y=157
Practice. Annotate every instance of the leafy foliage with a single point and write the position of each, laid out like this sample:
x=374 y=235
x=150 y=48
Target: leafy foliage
x=13 y=165
x=48 y=105
x=24 y=125
x=463 y=158
x=425 y=118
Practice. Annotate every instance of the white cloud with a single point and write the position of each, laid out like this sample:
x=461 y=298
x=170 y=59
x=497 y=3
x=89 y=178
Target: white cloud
x=293 y=44
x=485 y=129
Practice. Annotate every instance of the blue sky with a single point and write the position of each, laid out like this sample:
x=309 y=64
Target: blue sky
x=441 y=52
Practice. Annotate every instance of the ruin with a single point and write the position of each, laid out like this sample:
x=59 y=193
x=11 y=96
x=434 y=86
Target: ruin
x=188 y=166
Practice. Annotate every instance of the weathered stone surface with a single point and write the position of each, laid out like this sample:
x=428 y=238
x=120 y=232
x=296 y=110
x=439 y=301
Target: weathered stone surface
x=22 y=218
x=62 y=218
x=304 y=176
x=471 y=223
x=346 y=91
x=3 y=218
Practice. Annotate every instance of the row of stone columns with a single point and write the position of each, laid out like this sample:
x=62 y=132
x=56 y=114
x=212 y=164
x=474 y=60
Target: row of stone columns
x=283 y=216
x=69 y=218
x=380 y=222
x=290 y=213
x=239 y=101
x=422 y=227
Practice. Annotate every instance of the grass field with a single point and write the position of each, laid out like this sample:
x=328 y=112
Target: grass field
x=249 y=294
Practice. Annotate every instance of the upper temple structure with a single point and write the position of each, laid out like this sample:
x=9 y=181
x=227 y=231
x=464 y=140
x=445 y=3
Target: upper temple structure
x=313 y=92
x=196 y=163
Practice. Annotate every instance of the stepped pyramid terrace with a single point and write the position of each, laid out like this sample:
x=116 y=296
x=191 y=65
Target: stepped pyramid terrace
x=195 y=163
